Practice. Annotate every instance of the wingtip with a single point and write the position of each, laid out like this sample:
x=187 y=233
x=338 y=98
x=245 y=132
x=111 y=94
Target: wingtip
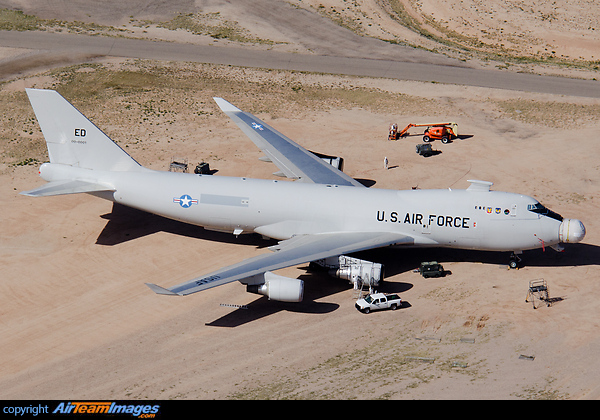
x=160 y=290
x=226 y=106
x=35 y=91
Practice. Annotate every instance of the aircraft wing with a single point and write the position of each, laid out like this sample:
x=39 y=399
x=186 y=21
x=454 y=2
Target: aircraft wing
x=297 y=250
x=293 y=160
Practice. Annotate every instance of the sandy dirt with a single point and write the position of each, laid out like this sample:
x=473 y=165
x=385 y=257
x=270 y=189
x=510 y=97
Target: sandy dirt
x=78 y=322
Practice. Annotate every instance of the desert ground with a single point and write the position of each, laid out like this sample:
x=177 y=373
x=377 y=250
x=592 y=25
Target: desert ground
x=77 y=320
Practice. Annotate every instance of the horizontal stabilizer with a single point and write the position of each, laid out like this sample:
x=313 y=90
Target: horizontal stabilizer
x=66 y=187
x=161 y=290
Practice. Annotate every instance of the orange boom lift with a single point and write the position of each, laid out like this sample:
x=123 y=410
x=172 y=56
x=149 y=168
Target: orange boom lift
x=437 y=131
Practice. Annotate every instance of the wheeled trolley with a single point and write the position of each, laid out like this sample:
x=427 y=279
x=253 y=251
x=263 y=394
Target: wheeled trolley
x=538 y=292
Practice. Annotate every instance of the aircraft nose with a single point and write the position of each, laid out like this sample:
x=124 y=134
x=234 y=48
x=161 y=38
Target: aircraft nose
x=571 y=231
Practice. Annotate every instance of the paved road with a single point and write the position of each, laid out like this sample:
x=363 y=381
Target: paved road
x=403 y=68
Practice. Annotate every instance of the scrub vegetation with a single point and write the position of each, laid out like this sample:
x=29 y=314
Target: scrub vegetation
x=15 y=20
x=550 y=114
x=212 y=24
x=382 y=370
x=129 y=94
x=129 y=98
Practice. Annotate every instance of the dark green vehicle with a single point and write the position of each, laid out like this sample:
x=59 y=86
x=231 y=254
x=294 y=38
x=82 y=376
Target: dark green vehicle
x=424 y=149
x=431 y=269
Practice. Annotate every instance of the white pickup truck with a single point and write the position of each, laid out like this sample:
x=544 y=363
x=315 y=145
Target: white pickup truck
x=376 y=301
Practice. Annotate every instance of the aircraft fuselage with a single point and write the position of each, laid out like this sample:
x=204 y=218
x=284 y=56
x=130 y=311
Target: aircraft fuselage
x=467 y=219
x=319 y=218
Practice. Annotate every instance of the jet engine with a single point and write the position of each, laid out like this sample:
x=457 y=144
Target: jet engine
x=356 y=271
x=276 y=287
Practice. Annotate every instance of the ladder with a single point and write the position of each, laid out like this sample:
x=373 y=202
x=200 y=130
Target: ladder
x=359 y=289
x=538 y=291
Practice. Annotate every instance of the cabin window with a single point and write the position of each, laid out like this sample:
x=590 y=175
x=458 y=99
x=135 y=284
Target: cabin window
x=541 y=209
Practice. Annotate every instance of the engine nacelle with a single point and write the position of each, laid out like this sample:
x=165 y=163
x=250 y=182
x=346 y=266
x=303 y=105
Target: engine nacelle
x=279 y=288
x=356 y=271
x=335 y=161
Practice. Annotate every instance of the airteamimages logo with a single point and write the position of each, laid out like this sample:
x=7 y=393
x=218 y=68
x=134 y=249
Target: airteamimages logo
x=142 y=411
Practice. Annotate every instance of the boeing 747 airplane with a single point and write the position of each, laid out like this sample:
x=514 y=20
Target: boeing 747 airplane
x=315 y=218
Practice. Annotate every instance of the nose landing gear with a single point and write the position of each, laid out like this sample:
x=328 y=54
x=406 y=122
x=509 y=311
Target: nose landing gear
x=514 y=260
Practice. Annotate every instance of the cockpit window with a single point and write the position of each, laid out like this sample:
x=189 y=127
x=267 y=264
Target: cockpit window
x=540 y=209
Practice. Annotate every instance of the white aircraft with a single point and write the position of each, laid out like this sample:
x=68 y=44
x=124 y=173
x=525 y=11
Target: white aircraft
x=321 y=217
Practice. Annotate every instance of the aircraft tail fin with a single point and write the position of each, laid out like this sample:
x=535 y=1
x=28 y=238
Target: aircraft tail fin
x=74 y=140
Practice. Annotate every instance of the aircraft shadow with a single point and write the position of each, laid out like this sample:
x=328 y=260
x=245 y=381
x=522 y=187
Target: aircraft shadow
x=366 y=182
x=126 y=224
x=398 y=261
x=316 y=286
